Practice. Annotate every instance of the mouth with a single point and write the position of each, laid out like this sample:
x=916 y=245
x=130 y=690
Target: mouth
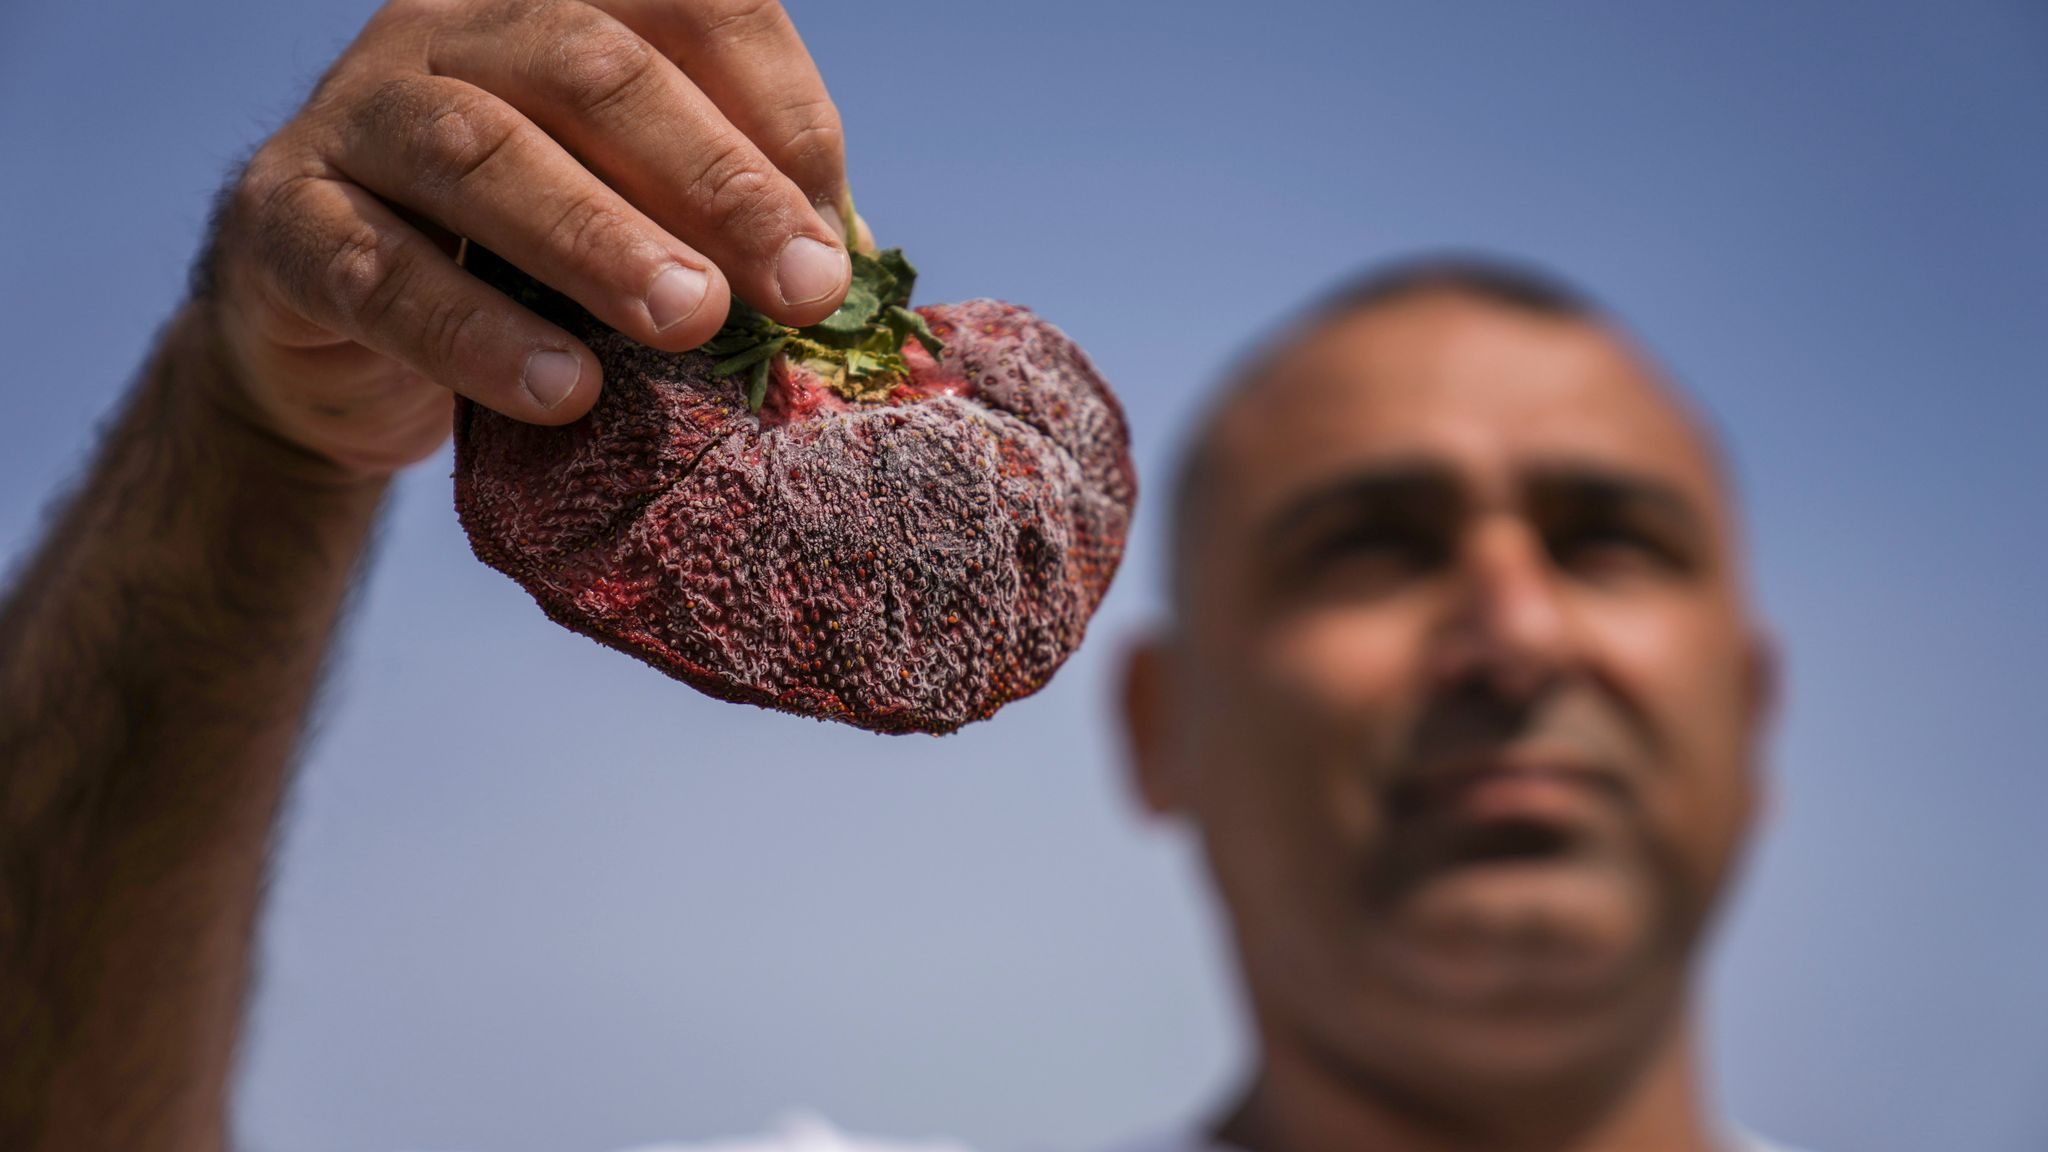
x=1521 y=793
x=1507 y=868
x=1507 y=811
x=1511 y=841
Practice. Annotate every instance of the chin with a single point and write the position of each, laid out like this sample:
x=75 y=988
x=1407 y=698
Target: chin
x=1518 y=1071
x=1517 y=976
x=1522 y=924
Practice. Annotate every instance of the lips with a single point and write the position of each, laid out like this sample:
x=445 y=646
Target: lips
x=1506 y=808
x=1529 y=794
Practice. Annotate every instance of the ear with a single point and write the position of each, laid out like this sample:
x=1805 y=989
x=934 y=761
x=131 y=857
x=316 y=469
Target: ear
x=1147 y=707
x=1763 y=688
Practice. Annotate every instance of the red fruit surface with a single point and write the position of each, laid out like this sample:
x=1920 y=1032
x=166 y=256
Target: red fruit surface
x=903 y=566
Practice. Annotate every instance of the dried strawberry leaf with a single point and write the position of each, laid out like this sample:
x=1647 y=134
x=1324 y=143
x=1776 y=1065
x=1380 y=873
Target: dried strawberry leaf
x=905 y=323
x=858 y=349
x=874 y=287
x=758 y=354
x=900 y=272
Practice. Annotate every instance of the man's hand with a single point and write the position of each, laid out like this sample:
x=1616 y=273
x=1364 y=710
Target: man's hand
x=645 y=157
x=158 y=652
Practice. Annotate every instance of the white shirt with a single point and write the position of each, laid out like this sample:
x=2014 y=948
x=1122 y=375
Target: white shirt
x=1195 y=1140
x=804 y=1132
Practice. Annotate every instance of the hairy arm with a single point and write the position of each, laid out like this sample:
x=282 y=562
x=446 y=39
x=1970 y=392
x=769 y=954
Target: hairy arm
x=158 y=654
x=156 y=659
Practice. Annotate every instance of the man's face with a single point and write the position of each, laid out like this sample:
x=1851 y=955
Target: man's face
x=1464 y=692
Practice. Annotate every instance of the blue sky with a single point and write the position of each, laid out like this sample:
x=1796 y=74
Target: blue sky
x=675 y=918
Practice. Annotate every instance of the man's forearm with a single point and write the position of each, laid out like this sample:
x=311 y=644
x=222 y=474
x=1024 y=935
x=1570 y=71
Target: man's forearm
x=157 y=657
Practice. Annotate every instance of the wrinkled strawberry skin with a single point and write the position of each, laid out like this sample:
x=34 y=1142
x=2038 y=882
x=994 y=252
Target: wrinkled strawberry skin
x=906 y=566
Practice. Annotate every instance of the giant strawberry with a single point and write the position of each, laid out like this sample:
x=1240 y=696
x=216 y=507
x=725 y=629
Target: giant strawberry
x=899 y=519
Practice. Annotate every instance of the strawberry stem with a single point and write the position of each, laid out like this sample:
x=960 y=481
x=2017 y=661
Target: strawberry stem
x=857 y=350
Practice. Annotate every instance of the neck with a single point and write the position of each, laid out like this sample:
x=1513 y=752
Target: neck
x=1297 y=1102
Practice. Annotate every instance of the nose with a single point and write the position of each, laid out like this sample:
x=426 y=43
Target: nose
x=1507 y=627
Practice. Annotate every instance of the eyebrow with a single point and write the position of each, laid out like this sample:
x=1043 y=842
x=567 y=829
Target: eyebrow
x=1583 y=488
x=1403 y=484
x=1578 y=487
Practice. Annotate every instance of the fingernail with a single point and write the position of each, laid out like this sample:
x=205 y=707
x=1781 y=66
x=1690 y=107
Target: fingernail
x=809 y=270
x=828 y=215
x=551 y=376
x=674 y=296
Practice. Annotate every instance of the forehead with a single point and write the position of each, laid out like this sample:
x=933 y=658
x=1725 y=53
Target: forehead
x=1480 y=389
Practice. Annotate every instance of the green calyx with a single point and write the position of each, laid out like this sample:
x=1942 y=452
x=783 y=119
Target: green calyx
x=858 y=350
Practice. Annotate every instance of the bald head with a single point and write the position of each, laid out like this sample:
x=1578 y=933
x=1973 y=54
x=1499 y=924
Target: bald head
x=1440 y=300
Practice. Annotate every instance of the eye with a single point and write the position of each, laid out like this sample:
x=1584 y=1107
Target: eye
x=1372 y=556
x=1606 y=551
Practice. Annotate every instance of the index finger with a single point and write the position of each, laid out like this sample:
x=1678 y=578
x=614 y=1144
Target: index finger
x=616 y=102
x=747 y=57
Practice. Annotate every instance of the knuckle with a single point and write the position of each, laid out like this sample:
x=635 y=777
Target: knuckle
x=364 y=277
x=387 y=108
x=814 y=138
x=728 y=22
x=511 y=13
x=444 y=129
x=588 y=228
x=465 y=139
x=599 y=63
x=732 y=189
x=281 y=224
x=448 y=330
x=258 y=191
x=454 y=133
